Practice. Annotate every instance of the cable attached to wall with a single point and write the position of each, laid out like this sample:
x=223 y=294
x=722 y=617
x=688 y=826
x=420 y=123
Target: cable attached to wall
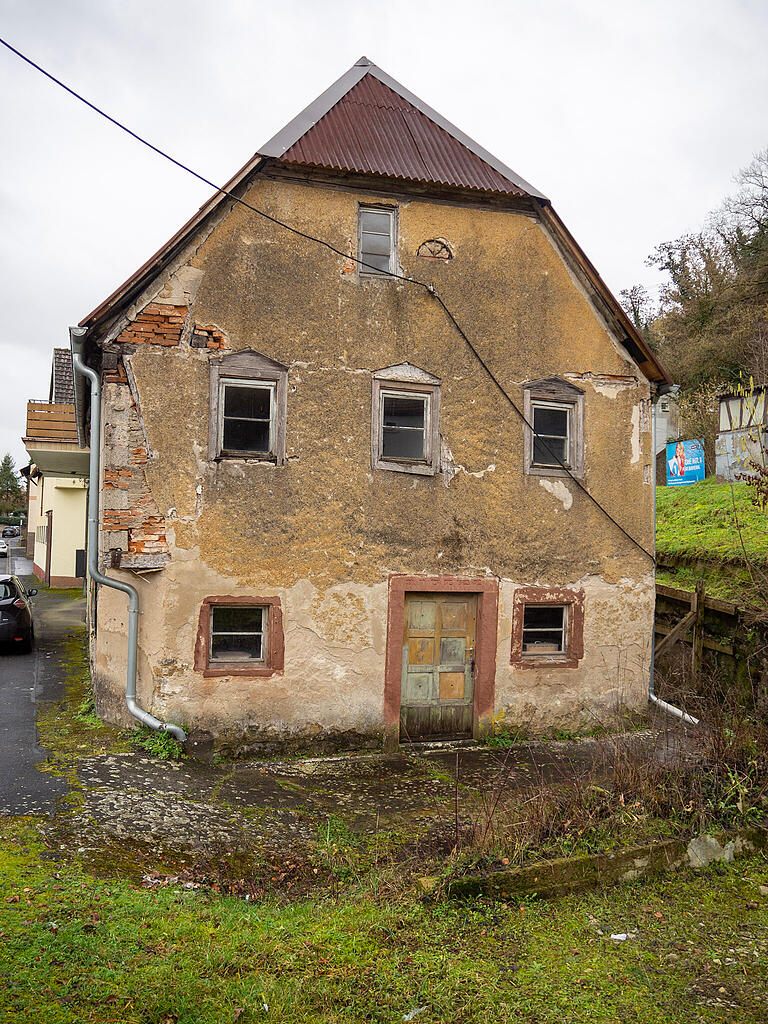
x=430 y=288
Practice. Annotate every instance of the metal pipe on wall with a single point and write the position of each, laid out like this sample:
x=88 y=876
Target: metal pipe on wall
x=76 y=336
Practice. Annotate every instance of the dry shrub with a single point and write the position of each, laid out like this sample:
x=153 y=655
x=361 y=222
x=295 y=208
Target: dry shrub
x=672 y=780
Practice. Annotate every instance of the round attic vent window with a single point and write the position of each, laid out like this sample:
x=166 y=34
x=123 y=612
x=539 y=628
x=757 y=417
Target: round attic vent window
x=435 y=249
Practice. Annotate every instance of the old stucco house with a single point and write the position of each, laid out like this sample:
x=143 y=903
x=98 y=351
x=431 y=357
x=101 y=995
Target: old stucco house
x=342 y=526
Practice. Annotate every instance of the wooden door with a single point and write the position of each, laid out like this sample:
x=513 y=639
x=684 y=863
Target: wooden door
x=438 y=666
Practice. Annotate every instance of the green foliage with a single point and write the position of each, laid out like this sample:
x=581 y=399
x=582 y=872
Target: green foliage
x=698 y=520
x=158 y=744
x=11 y=493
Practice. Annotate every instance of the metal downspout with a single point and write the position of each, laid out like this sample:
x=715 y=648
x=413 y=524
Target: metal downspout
x=659 y=703
x=76 y=335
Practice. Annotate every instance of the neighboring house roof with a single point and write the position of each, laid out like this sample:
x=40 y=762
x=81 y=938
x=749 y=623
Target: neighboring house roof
x=367 y=123
x=62 y=390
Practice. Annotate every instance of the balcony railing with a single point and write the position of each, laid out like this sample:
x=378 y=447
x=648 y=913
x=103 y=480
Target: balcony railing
x=51 y=421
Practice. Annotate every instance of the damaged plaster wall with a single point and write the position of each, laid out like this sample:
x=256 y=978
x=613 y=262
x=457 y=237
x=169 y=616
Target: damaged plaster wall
x=323 y=532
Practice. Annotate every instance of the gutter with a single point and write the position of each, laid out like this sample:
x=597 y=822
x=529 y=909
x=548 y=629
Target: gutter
x=662 y=705
x=76 y=337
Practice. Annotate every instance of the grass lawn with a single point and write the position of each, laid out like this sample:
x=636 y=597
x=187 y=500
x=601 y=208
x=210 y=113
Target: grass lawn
x=698 y=521
x=74 y=948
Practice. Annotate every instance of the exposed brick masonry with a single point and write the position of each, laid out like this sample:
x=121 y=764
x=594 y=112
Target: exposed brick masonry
x=157 y=324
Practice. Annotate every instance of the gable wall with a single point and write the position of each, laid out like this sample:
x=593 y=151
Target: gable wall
x=325 y=531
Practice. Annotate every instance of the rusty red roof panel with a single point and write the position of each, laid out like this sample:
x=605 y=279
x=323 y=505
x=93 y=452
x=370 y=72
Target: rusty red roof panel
x=373 y=130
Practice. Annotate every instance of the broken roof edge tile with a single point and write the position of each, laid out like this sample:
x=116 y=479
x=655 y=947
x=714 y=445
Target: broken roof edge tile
x=319 y=107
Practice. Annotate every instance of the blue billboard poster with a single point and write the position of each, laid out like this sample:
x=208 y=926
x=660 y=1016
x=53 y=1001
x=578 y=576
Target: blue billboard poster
x=685 y=462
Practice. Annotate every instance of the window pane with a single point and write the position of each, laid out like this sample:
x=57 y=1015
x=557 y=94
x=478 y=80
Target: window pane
x=403 y=412
x=545 y=456
x=550 y=421
x=544 y=643
x=375 y=244
x=247 y=402
x=237 y=647
x=402 y=444
x=371 y=220
x=246 y=436
x=232 y=619
x=543 y=616
x=379 y=264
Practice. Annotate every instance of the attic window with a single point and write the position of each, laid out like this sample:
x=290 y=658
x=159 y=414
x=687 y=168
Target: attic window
x=554 y=428
x=376 y=240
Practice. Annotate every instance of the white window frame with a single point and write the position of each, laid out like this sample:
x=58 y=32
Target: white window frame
x=265 y=385
x=251 y=369
x=406 y=381
x=425 y=398
x=555 y=393
x=264 y=634
x=537 y=403
x=535 y=629
x=367 y=271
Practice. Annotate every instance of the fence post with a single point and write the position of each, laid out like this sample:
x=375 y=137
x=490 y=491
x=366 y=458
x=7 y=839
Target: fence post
x=697 y=655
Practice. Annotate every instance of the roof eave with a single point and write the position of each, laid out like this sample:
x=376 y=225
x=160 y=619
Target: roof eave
x=651 y=366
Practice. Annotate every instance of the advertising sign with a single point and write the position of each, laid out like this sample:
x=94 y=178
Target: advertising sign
x=685 y=462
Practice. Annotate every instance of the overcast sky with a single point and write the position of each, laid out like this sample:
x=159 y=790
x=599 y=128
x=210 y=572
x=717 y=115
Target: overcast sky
x=631 y=116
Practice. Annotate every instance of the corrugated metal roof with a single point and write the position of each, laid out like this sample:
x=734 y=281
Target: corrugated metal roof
x=372 y=129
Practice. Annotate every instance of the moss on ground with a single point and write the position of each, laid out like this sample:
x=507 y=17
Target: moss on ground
x=79 y=949
x=69 y=728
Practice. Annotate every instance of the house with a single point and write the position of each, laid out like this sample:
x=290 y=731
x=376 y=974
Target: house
x=56 y=490
x=667 y=425
x=742 y=437
x=383 y=473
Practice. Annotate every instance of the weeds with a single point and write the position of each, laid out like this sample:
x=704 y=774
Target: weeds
x=159 y=744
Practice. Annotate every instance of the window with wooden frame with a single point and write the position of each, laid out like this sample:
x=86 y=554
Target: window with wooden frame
x=240 y=636
x=376 y=233
x=547 y=627
x=248 y=408
x=554 y=430
x=405 y=414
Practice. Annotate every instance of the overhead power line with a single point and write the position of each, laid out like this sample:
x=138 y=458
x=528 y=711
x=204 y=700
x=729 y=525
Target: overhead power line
x=429 y=288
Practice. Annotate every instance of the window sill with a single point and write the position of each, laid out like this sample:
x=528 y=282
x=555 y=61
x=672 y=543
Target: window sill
x=260 y=460
x=414 y=468
x=238 y=669
x=546 y=661
x=551 y=471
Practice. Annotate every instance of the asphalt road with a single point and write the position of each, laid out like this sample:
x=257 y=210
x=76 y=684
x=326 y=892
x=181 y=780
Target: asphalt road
x=26 y=680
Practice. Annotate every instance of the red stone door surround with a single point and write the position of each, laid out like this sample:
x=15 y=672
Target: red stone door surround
x=487 y=591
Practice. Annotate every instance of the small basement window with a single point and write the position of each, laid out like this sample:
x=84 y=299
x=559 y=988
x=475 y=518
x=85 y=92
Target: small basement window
x=247 y=423
x=376 y=240
x=544 y=629
x=552 y=432
x=238 y=634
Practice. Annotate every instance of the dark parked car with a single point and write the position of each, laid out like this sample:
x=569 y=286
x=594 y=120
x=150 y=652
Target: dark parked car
x=16 y=625
x=10 y=531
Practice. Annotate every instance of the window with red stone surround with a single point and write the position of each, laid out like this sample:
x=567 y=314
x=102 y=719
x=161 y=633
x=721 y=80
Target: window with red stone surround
x=274 y=654
x=573 y=601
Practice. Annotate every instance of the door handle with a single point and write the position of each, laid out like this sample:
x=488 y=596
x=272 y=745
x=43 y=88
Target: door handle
x=471 y=656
